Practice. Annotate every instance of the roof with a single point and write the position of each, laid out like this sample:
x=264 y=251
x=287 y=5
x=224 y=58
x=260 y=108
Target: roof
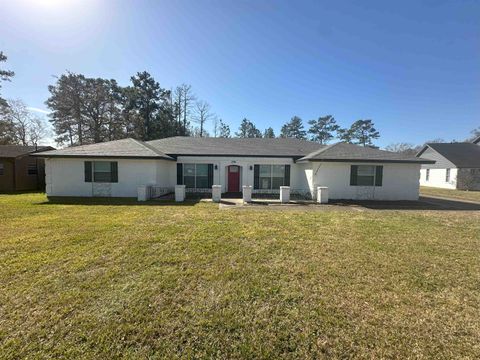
x=275 y=147
x=462 y=155
x=170 y=148
x=345 y=152
x=125 y=148
x=13 y=151
x=476 y=140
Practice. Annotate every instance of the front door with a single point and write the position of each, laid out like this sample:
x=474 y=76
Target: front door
x=233 y=178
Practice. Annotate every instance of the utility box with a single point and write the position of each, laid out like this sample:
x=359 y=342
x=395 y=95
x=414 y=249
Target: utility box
x=247 y=193
x=179 y=193
x=284 y=194
x=322 y=194
x=216 y=193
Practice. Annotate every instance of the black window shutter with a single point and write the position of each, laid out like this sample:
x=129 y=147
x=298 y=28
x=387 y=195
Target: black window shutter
x=179 y=174
x=114 y=172
x=88 y=171
x=353 y=175
x=286 y=180
x=378 y=175
x=256 y=176
x=210 y=175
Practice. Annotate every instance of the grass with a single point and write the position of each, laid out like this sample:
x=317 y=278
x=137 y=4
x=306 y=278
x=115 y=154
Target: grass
x=450 y=193
x=95 y=280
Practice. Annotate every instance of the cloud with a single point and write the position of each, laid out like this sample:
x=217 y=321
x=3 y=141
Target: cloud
x=34 y=109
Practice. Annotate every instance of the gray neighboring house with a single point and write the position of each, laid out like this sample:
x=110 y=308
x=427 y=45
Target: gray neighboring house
x=457 y=165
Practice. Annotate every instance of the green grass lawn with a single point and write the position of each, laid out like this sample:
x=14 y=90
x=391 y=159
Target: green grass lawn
x=448 y=193
x=123 y=281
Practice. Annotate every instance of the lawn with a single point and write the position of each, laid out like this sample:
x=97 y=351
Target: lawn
x=450 y=193
x=191 y=281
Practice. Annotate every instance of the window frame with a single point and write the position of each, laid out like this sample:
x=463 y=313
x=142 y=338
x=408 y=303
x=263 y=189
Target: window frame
x=90 y=175
x=195 y=176
x=377 y=177
x=29 y=168
x=447 y=175
x=427 y=175
x=2 y=168
x=271 y=176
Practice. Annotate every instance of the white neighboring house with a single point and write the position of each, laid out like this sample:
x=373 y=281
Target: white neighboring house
x=457 y=165
x=117 y=168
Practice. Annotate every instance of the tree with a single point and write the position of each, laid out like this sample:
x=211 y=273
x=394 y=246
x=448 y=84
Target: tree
x=268 y=133
x=248 y=130
x=148 y=98
x=223 y=129
x=5 y=75
x=293 y=129
x=322 y=129
x=202 y=115
x=475 y=134
x=19 y=126
x=184 y=98
x=345 y=135
x=363 y=132
x=403 y=148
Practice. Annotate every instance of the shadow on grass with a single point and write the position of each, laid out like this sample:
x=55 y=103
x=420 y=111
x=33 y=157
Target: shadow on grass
x=109 y=201
x=424 y=203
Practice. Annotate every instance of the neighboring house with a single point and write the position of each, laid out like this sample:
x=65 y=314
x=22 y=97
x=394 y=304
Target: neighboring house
x=457 y=165
x=117 y=168
x=19 y=170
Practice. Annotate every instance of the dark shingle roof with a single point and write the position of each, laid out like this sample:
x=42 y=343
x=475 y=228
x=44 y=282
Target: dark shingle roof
x=125 y=148
x=278 y=147
x=354 y=153
x=13 y=151
x=476 y=140
x=462 y=155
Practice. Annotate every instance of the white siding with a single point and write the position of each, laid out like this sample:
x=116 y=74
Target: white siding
x=400 y=182
x=65 y=177
x=437 y=178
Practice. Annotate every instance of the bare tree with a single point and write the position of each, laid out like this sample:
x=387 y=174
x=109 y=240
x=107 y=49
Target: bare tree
x=202 y=115
x=25 y=128
x=184 y=98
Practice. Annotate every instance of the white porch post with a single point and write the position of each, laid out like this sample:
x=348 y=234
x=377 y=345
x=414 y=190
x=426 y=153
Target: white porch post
x=216 y=193
x=179 y=193
x=143 y=192
x=247 y=193
x=322 y=194
x=284 y=194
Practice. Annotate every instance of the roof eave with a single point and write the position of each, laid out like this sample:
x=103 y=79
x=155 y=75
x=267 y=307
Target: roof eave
x=423 y=161
x=104 y=157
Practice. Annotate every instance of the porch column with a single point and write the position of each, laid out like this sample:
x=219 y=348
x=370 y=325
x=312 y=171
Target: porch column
x=143 y=192
x=179 y=193
x=284 y=194
x=322 y=194
x=216 y=193
x=247 y=193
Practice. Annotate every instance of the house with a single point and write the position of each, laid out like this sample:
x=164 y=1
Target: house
x=117 y=168
x=457 y=165
x=19 y=170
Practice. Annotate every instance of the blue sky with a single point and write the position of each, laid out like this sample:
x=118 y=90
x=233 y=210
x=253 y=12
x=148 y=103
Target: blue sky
x=413 y=67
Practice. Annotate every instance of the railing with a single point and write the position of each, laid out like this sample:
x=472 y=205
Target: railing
x=295 y=194
x=160 y=191
x=198 y=193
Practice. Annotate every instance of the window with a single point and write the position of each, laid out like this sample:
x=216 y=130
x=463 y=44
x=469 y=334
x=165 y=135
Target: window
x=1 y=169
x=197 y=176
x=32 y=169
x=447 y=175
x=427 y=175
x=366 y=175
x=101 y=171
x=271 y=177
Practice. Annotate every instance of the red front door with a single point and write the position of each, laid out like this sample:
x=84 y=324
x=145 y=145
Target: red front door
x=233 y=178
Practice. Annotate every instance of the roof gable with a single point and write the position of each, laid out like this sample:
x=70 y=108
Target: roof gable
x=462 y=155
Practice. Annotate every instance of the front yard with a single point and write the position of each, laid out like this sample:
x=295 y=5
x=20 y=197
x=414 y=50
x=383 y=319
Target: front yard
x=112 y=281
x=450 y=193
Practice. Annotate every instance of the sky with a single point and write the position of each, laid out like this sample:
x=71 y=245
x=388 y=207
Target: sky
x=413 y=67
